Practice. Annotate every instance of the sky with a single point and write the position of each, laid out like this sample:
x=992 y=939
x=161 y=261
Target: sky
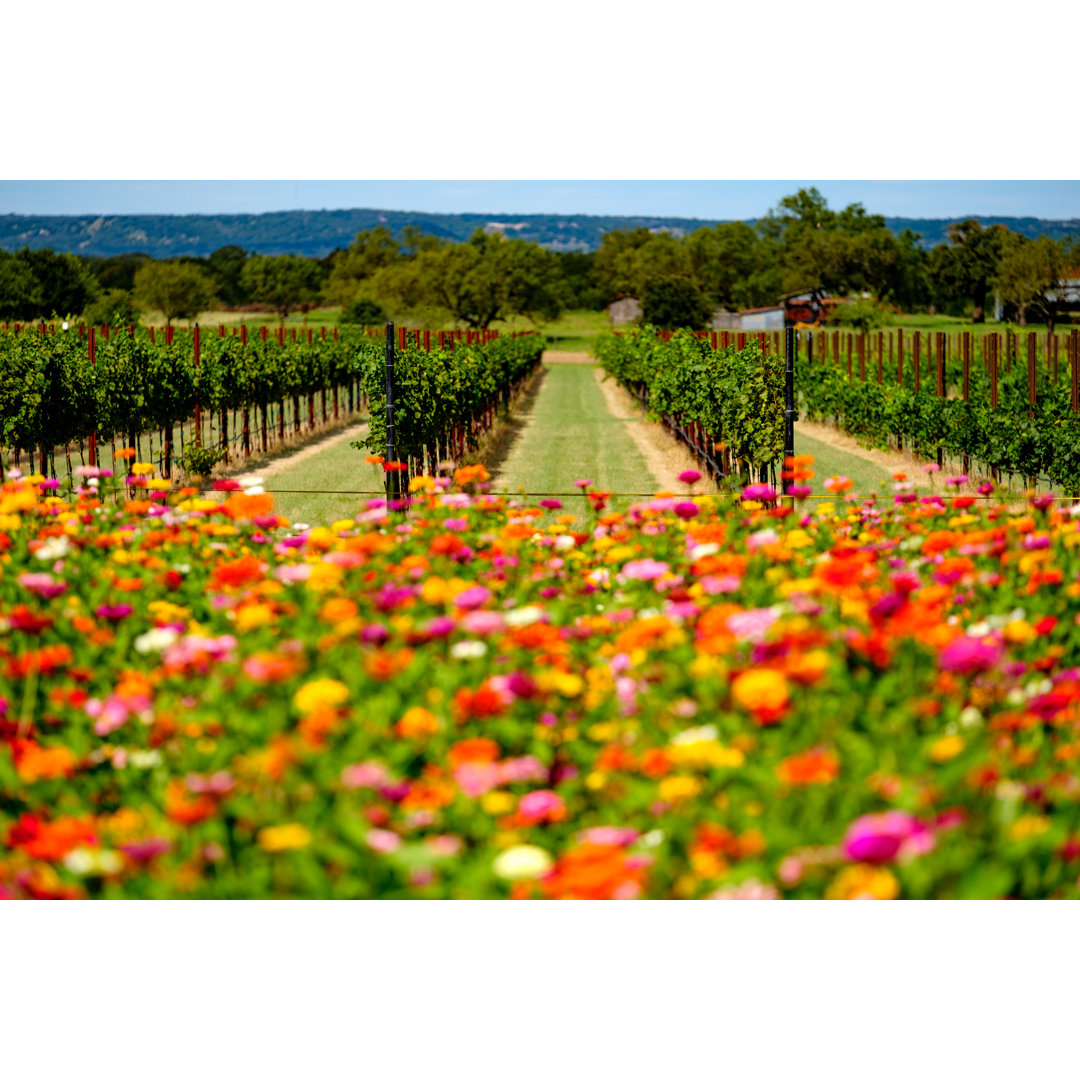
x=717 y=199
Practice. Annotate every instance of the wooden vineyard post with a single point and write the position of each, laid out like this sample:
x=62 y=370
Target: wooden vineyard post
x=862 y=356
x=940 y=357
x=392 y=475
x=790 y=415
x=92 y=355
x=965 y=346
x=899 y=357
x=1031 y=376
x=994 y=346
x=880 y=356
x=916 y=358
x=1074 y=358
x=198 y=403
x=849 y=357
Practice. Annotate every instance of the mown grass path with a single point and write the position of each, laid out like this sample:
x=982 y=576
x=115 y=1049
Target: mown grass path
x=567 y=433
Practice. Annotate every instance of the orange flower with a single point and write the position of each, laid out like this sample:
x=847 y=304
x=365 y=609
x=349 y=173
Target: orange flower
x=126 y=453
x=51 y=840
x=417 y=722
x=182 y=808
x=245 y=571
x=473 y=750
x=596 y=872
x=246 y=507
x=817 y=766
x=763 y=692
x=374 y=459
x=35 y=762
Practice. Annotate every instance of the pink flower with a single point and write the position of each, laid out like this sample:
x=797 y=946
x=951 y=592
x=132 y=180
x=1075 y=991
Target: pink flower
x=751 y=889
x=686 y=510
x=583 y=483
x=43 y=585
x=551 y=504
x=969 y=655
x=689 y=476
x=644 y=569
x=383 y=841
x=752 y=625
x=541 y=806
x=880 y=838
x=483 y=622
x=474 y=597
x=607 y=836
x=759 y=493
x=366 y=774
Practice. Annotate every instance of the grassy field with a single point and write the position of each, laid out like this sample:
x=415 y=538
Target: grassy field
x=568 y=434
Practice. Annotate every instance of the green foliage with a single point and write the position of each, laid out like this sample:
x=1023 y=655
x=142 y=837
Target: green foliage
x=736 y=394
x=863 y=313
x=672 y=303
x=443 y=389
x=225 y=266
x=284 y=282
x=200 y=460
x=1027 y=273
x=178 y=290
x=41 y=283
x=363 y=312
x=112 y=308
x=1005 y=438
x=964 y=269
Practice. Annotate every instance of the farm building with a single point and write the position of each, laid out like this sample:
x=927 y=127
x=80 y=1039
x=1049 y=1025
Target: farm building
x=764 y=318
x=624 y=310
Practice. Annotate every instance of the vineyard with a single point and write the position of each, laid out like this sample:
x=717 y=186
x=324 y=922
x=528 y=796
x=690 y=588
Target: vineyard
x=1006 y=404
x=158 y=393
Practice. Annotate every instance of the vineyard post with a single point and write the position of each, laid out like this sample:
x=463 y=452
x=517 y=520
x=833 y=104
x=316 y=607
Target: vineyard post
x=916 y=358
x=994 y=345
x=1074 y=351
x=391 y=474
x=940 y=342
x=899 y=357
x=198 y=403
x=92 y=448
x=965 y=348
x=1031 y=376
x=789 y=400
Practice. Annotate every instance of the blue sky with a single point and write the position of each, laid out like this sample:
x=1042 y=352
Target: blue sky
x=670 y=198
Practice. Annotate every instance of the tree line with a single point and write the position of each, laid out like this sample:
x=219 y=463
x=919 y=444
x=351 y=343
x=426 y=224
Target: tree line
x=800 y=246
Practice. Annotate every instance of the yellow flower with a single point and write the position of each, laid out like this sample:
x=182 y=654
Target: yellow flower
x=1019 y=632
x=863 y=882
x=417 y=722
x=497 y=802
x=252 y=616
x=761 y=689
x=324 y=576
x=321 y=539
x=422 y=483
x=946 y=748
x=320 y=693
x=1028 y=826
x=284 y=837
x=797 y=538
x=678 y=788
x=142 y=468
x=343 y=525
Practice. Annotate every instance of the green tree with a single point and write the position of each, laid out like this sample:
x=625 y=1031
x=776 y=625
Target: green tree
x=116 y=271
x=115 y=307
x=1028 y=270
x=627 y=259
x=371 y=251
x=363 y=312
x=66 y=283
x=284 y=282
x=674 y=303
x=225 y=266
x=20 y=290
x=964 y=268
x=178 y=290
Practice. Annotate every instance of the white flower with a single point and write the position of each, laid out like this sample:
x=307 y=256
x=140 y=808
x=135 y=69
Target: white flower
x=525 y=862
x=707 y=733
x=703 y=551
x=468 y=650
x=564 y=542
x=979 y=629
x=84 y=861
x=970 y=717
x=525 y=616
x=145 y=759
x=251 y=481
x=653 y=838
x=258 y=489
x=157 y=639
x=56 y=547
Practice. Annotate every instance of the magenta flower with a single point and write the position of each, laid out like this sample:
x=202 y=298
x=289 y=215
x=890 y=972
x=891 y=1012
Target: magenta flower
x=689 y=476
x=799 y=491
x=986 y=489
x=686 y=510
x=473 y=597
x=114 y=612
x=541 y=806
x=759 y=493
x=969 y=655
x=551 y=504
x=881 y=838
x=43 y=585
x=583 y=483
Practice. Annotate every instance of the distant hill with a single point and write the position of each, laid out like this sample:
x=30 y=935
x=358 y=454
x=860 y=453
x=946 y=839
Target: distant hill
x=318 y=232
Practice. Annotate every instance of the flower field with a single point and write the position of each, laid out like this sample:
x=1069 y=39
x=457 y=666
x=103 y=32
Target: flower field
x=697 y=697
